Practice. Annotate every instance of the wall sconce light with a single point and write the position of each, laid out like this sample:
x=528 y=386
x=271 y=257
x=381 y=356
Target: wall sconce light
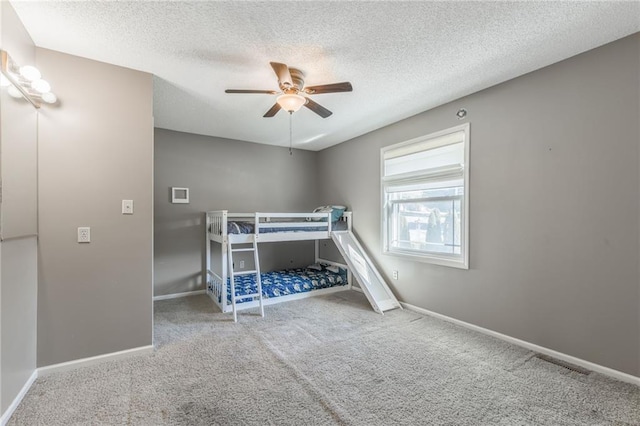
x=25 y=82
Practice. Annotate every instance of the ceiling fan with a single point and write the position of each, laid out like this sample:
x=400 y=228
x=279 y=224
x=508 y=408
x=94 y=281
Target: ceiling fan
x=294 y=94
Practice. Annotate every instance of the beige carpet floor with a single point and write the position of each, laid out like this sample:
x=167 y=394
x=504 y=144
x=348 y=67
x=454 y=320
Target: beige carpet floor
x=322 y=361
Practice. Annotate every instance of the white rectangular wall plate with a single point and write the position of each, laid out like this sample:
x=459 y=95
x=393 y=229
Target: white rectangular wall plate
x=84 y=234
x=179 y=195
x=127 y=206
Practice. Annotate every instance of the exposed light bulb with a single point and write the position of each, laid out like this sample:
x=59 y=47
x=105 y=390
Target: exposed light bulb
x=14 y=92
x=4 y=81
x=41 y=86
x=49 y=98
x=31 y=73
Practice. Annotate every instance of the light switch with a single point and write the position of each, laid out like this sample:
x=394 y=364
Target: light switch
x=127 y=206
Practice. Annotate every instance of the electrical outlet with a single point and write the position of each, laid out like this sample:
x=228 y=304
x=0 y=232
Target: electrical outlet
x=84 y=234
x=395 y=275
x=127 y=206
x=242 y=264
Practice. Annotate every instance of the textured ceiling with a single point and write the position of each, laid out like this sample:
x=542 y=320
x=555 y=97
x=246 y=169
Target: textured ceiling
x=401 y=57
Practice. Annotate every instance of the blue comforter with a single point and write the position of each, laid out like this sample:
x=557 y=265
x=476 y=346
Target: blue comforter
x=288 y=281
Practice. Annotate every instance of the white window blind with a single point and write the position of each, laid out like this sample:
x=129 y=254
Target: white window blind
x=444 y=152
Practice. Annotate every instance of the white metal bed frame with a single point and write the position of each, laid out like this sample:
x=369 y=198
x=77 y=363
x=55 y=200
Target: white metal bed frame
x=216 y=231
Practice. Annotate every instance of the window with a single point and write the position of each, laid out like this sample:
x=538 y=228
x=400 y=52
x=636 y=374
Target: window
x=425 y=198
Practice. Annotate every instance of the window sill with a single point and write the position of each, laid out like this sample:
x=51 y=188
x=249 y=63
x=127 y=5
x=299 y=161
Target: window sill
x=434 y=260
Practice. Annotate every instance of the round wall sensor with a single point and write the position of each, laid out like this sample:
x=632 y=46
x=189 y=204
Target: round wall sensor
x=462 y=113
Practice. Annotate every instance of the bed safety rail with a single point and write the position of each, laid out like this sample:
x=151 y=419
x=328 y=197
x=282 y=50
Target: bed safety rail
x=259 y=223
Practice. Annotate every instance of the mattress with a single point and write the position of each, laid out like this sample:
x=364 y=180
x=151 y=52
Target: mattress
x=286 y=282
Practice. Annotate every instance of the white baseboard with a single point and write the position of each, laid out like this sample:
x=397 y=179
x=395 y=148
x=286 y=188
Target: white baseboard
x=177 y=295
x=7 y=414
x=84 y=362
x=619 y=375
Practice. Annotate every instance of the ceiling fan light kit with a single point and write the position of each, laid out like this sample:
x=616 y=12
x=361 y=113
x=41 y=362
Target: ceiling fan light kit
x=291 y=102
x=292 y=92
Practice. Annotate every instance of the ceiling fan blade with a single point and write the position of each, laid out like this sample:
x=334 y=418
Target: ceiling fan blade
x=268 y=92
x=317 y=108
x=329 y=88
x=282 y=71
x=273 y=111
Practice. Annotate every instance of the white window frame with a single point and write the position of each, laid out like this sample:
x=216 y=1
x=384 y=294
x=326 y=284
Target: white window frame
x=459 y=261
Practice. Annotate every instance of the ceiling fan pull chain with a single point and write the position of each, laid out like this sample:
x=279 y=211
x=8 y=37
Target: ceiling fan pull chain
x=290 y=133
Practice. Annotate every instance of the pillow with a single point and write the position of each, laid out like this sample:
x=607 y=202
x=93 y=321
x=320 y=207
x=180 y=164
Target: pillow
x=336 y=213
x=315 y=267
x=321 y=209
x=333 y=268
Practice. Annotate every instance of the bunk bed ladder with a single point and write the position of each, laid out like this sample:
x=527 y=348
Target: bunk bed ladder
x=233 y=273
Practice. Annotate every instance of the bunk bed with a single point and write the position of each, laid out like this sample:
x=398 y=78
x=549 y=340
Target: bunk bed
x=227 y=233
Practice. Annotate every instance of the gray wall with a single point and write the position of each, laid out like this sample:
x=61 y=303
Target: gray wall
x=223 y=174
x=95 y=149
x=18 y=213
x=554 y=210
x=19 y=315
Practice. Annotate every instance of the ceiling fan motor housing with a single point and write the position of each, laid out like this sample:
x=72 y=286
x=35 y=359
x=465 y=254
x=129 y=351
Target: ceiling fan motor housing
x=297 y=77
